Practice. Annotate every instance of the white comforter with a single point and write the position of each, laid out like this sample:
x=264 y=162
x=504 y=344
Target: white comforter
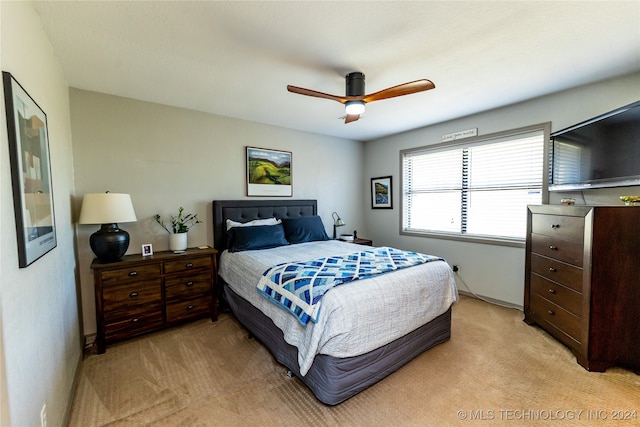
x=356 y=317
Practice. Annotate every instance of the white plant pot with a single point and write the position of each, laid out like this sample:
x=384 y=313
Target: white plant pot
x=178 y=242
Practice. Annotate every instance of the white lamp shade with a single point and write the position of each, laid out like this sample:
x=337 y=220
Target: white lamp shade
x=106 y=208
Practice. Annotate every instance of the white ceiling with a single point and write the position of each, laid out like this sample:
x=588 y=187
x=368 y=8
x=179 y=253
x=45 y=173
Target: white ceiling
x=236 y=58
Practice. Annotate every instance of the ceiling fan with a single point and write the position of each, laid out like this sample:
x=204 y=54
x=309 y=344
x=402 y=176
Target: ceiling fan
x=355 y=98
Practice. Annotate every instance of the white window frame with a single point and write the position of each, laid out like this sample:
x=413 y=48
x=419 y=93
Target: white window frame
x=484 y=139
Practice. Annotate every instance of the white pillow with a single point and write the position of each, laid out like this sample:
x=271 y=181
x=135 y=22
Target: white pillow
x=255 y=222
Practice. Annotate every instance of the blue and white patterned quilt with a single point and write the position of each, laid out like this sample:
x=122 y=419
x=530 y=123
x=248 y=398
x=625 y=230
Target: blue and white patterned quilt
x=299 y=286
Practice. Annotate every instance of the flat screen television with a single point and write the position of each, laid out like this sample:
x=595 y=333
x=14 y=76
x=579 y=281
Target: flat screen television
x=601 y=152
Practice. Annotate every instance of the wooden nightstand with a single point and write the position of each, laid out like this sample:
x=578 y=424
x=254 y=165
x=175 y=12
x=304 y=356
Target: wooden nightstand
x=140 y=294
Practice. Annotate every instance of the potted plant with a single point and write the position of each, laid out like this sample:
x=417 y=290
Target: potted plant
x=178 y=228
x=630 y=200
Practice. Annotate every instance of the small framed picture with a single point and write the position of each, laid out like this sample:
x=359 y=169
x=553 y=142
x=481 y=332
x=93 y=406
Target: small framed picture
x=147 y=249
x=381 y=193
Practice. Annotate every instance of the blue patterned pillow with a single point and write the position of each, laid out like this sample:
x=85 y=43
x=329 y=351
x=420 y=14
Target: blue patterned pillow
x=258 y=237
x=304 y=229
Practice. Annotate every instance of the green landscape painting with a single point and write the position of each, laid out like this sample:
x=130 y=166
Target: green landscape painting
x=268 y=168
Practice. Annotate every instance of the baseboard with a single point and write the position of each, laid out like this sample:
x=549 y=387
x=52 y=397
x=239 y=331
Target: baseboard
x=491 y=300
x=72 y=391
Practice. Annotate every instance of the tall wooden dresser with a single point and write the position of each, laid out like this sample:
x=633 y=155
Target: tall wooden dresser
x=142 y=294
x=582 y=281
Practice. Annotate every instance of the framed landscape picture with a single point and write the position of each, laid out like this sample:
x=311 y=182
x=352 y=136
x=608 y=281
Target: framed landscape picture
x=381 y=193
x=268 y=172
x=30 y=173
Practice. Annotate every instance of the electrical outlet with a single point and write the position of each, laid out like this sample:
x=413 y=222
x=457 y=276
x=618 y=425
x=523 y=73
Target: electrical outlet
x=43 y=415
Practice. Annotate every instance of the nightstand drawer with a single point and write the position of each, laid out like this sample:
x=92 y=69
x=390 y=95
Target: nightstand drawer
x=565 y=274
x=139 y=321
x=140 y=272
x=563 y=227
x=131 y=295
x=556 y=316
x=366 y=242
x=180 y=310
x=563 y=297
x=553 y=247
x=188 y=264
x=187 y=287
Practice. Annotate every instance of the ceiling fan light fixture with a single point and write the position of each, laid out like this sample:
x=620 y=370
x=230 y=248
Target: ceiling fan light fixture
x=354 y=107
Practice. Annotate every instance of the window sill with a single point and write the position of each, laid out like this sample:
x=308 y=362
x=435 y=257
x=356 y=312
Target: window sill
x=487 y=240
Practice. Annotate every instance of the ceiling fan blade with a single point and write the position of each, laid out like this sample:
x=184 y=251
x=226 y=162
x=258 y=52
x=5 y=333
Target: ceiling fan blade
x=309 y=92
x=399 y=90
x=351 y=118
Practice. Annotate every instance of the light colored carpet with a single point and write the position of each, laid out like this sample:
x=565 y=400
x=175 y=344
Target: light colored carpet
x=495 y=371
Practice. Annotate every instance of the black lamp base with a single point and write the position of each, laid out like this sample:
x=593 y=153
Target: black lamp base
x=109 y=243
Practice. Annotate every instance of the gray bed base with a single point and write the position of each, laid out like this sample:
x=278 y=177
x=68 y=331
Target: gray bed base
x=332 y=380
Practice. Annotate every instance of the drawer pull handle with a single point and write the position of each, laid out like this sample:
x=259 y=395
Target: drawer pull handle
x=135 y=320
x=552 y=291
x=553 y=270
x=550 y=312
x=190 y=307
x=133 y=294
x=189 y=265
x=553 y=248
x=189 y=284
x=555 y=226
x=133 y=273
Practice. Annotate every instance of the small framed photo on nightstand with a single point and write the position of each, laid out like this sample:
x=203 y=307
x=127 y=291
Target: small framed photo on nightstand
x=147 y=249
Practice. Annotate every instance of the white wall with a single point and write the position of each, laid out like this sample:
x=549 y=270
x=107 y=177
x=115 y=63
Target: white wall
x=168 y=157
x=40 y=336
x=495 y=272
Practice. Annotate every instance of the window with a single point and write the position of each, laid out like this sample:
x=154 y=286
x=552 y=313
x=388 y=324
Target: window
x=477 y=188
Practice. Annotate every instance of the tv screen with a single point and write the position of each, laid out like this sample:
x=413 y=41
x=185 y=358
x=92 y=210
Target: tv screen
x=601 y=152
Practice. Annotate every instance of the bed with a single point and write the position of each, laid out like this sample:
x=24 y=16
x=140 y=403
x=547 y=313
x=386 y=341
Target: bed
x=356 y=340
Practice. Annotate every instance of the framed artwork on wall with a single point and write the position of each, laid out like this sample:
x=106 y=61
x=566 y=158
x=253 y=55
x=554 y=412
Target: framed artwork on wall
x=268 y=172
x=381 y=193
x=30 y=173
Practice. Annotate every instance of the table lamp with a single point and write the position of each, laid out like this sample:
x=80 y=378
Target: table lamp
x=337 y=222
x=110 y=242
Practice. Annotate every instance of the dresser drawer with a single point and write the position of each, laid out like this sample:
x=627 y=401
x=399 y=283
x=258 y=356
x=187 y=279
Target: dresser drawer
x=145 y=319
x=564 y=297
x=140 y=272
x=188 y=264
x=565 y=274
x=563 y=227
x=124 y=296
x=555 y=315
x=188 y=287
x=553 y=247
x=186 y=309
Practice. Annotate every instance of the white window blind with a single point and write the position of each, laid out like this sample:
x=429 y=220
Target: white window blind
x=480 y=188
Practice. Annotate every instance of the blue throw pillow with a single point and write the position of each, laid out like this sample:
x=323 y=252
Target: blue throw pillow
x=258 y=237
x=304 y=229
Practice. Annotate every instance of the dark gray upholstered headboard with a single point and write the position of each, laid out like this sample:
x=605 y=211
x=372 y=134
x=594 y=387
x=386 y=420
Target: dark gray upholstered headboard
x=247 y=210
